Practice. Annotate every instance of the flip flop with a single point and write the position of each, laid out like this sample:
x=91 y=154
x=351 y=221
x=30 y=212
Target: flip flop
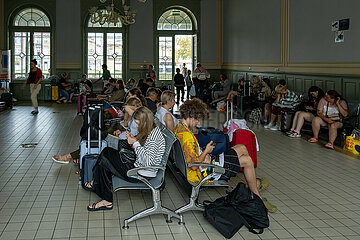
x=102 y=208
x=312 y=140
x=61 y=159
x=329 y=146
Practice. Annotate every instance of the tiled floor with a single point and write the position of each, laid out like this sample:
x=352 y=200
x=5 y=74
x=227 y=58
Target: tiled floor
x=316 y=190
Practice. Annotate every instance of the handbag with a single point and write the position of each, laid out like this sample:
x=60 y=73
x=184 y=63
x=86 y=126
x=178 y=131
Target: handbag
x=217 y=136
x=127 y=153
x=333 y=116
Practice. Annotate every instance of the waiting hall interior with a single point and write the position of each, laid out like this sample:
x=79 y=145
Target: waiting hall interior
x=285 y=72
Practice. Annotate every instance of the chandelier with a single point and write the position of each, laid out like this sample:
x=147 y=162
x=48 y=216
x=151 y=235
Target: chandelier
x=109 y=15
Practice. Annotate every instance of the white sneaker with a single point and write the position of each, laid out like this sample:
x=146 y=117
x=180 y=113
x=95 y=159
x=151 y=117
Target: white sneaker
x=269 y=125
x=275 y=128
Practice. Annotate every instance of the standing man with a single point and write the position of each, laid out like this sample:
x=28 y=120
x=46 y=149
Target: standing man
x=179 y=84
x=34 y=79
x=105 y=76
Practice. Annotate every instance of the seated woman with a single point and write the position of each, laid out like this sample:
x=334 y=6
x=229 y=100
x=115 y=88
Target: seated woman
x=191 y=112
x=136 y=92
x=111 y=89
x=221 y=88
x=149 y=147
x=119 y=94
x=163 y=114
x=266 y=96
x=330 y=111
x=131 y=105
x=240 y=90
x=65 y=89
x=255 y=85
x=315 y=94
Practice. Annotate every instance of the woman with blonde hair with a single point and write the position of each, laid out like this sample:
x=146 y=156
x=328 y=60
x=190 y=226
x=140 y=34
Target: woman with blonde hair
x=163 y=114
x=149 y=147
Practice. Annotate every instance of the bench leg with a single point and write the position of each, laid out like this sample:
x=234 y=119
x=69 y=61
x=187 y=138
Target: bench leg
x=156 y=209
x=193 y=204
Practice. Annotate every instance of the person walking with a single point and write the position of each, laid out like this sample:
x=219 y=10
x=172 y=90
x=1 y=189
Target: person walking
x=34 y=80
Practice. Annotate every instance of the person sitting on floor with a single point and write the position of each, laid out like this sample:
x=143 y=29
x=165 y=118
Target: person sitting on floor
x=237 y=157
x=285 y=100
x=332 y=108
x=65 y=89
x=149 y=147
x=151 y=99
x=221 y=88
x=315 y=94
x=163 y=114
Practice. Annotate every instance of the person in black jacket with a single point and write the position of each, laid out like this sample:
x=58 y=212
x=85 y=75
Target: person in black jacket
x=179 y=84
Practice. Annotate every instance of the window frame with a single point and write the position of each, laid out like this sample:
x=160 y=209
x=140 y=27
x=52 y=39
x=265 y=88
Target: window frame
x=31 y=29
x=105 y=31
x=172 y=33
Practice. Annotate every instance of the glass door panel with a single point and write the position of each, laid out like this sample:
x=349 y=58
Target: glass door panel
x=42 y=52
x=114 y=47
x=95 y=54
x=21 y=54
x=165 y=58
x=184 y=51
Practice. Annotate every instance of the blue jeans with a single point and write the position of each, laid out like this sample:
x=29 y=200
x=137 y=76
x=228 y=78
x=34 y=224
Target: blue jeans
x=65 y=93
x=199 y=88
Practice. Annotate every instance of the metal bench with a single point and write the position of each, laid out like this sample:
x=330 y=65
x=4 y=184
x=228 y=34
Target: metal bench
x=154 y=184
x=179 y=166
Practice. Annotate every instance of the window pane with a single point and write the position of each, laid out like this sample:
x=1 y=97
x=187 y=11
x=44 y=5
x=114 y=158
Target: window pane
x=95 y=54
x=42 y=52
x=165 y=58
x=174 y=19
x=114 y=48
x=31 y=17
x=21 y=53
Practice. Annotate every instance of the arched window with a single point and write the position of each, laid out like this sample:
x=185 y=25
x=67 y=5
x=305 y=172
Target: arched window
x=177 y=42
x=104 y=45
x=31 y=39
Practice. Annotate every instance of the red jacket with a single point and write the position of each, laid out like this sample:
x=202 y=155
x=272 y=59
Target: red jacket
x=38 y=76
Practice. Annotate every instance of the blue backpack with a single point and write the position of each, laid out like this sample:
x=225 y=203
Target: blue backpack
x=221 y=139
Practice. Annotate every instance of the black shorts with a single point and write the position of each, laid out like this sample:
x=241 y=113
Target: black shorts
x=231 y=164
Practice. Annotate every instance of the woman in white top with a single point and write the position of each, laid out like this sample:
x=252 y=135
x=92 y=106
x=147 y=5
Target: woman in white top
x=163 y=114
x=148 y=149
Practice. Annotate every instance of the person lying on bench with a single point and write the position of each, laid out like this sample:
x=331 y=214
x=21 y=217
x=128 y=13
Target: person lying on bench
x=149 y=147
x=163 y=114
x=237 y=157
x=331 y=110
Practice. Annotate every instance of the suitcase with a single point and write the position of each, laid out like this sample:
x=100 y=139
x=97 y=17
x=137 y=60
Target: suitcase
x=47 y=92
x=7 y=97
x=242 y=136
x=81 y=102
x=54 y=93
x=286 y=118
x=90 y=150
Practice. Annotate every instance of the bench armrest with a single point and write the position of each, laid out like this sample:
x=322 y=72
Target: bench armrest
x=217 y=169
x=134 y=173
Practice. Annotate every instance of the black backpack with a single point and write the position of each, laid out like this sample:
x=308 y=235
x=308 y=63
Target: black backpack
x=240 y=207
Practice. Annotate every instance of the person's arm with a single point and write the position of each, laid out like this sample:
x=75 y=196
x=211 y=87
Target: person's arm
x=169 y=122
x=323 y=117
x=191 y=156
x=343 y=111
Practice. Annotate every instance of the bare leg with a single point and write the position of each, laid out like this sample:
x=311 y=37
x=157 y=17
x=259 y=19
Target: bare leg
x=278 y=119
x=294 y=123
x=333 y=131
x=247 y=164
x=267 y=110
x=302 y=117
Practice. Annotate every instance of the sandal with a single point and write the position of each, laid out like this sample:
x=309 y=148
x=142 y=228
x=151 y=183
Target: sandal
x=93 y=207
x=264 y=184
x=329 y=146
x=76 y=161
x=289 y=132
x=89 y=185
x=61 y=159
x=312 y=140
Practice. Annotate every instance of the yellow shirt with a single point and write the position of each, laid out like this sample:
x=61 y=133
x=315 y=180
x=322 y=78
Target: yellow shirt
x=190 y=147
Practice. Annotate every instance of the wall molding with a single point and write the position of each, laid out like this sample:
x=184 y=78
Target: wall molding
x=68 y=65
x=139 y=65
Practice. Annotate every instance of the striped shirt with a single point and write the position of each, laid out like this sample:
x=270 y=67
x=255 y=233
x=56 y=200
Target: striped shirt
x=290 y=98
x=151 y=153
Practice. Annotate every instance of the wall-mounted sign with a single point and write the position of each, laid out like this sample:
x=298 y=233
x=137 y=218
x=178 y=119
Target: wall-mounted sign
x=344 y=24
x=339 y=36
x=335 y=26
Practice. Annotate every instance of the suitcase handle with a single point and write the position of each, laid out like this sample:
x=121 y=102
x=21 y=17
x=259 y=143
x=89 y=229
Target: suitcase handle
x=231 y=110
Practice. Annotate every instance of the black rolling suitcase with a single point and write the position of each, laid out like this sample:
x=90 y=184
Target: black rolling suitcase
x=88 y=161
x=286 y=118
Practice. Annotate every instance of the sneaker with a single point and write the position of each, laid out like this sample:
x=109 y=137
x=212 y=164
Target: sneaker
x=275 y=128
x=271 y=208
x=34 y=112
x=294 y=135
x=69 y=101
x=269 y=125
x=58 y=102
x=65 y=101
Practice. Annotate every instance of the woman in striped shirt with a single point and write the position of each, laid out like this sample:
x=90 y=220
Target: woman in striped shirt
x=149 y=148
